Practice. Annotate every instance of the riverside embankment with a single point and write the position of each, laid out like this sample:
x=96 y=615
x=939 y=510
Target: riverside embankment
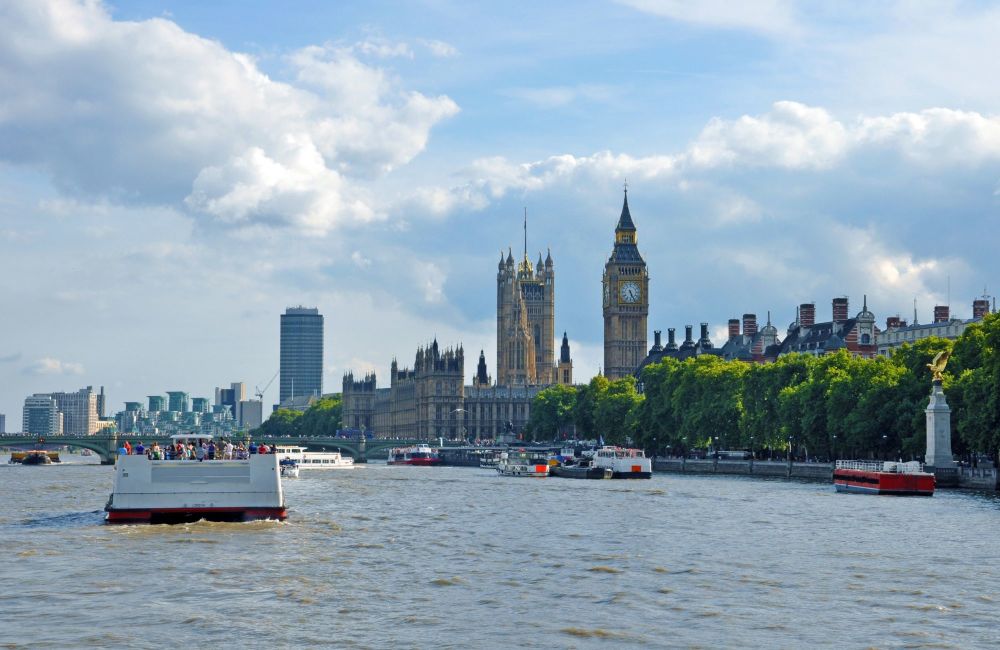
x=968 y=478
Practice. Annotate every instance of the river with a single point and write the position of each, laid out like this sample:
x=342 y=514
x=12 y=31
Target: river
x=412 y=557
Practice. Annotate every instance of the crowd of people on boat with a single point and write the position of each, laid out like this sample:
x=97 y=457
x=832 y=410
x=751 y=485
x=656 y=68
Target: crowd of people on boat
x=199 y=450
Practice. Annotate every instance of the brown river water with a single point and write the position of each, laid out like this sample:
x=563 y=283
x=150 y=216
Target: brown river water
x=414 y=557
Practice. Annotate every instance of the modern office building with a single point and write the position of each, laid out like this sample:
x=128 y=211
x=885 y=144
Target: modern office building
x=232 y=397
x=301 y=353
x=3 y=423
x=252 y=413
x=79 y=411
x=41 y=416
x=178 y=401
x=157 y=403
x=200 y=405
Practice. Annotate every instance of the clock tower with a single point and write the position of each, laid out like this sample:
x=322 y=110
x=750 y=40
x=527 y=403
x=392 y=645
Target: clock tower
x=626 y=301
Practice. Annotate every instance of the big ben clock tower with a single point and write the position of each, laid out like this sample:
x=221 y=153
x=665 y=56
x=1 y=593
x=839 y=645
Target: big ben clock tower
x=626 y=301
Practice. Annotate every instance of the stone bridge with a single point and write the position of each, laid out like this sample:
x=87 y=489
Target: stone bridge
x=106 y=446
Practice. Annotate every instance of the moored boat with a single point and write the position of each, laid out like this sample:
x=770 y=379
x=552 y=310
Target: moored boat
x=623 y=462
x=581 y=469
x=878 y=477
x=175 y=491
x=313 y=459
x=489 y=461
x=416 y=455
x=523 y=463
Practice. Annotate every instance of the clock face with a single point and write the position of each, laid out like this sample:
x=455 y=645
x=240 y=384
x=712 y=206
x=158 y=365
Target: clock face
x=630 y=292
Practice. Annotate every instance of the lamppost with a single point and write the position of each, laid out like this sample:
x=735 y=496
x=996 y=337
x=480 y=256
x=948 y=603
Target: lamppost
x=833 y=449
x=885 y=444
x=458 y=411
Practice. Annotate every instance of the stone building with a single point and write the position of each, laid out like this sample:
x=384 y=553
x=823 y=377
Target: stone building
x=526 y=299
x=626 y=301
x=856 y=335
x=897 y=331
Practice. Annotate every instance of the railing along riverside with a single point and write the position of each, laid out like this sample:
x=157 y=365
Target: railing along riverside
x=911 y=467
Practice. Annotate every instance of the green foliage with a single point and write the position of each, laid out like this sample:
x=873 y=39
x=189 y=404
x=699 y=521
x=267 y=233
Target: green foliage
x=552 y=413
x=831 y=406
x=283 y=422
x=322 y=418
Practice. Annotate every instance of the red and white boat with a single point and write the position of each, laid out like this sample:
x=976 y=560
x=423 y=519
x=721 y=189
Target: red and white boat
x=416 y=455
x=176 y=491
x=878 y=477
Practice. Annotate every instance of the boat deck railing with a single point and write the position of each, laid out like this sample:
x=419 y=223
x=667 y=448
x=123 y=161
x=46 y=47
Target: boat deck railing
x=912 y=467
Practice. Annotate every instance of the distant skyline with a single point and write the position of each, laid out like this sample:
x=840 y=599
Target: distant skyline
x=174 y=175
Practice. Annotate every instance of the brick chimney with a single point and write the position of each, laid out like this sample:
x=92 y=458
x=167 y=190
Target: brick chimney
x=893 y=322
x=980 y=308
x=671 y=339
x=807 y=314
x=704 y=333
x=656 y=341
x=749 y=324
x=687 y=334
x=734 y=327
x=840 y=310
x=941 y=314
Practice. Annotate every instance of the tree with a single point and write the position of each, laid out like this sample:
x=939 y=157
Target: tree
x=283 y=422
x=322 y=418
x=552 y=412
x=615 y=411
x=586 y=401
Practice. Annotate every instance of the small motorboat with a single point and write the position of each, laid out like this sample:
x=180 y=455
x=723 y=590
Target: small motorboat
x=289 y=468
x=34 y=457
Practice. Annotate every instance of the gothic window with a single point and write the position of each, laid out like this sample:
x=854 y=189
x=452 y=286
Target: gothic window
x=866 y=339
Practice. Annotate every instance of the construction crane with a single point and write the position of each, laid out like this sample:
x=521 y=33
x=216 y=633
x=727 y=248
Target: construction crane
x=259 y=392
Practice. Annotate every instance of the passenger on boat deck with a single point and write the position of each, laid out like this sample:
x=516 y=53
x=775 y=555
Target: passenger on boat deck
x=242 y=453
x=122 y=451
x=262 y=449
x=140 y=449
x=227 y=451
x=128 y=448
x=253 y=447
x=211 y=450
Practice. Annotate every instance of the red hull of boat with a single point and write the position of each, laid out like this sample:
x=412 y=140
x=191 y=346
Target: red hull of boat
x=900 y=484
x=170 y=515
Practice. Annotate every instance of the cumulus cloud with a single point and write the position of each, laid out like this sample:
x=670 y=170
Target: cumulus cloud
x=50 y=366
x=145 y=112
x=790 y=137
x=440 y=49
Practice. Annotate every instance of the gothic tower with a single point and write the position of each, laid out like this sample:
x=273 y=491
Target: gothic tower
x=564 y=373
x=526 y=298
x=626 y=301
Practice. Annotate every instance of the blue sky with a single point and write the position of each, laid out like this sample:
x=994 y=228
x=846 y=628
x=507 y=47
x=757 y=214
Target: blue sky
x=174 y=174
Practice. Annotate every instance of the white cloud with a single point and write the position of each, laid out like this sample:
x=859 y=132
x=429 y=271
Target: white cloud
x=360 y=260
x=560 y=96
x=50 y=366
x=774 y=17
x=440 y=49
x=144 y=112
x=383 y=49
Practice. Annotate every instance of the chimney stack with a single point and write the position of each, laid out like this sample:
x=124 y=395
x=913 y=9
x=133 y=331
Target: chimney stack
x=704 y=331
x=749 y=324
x=893 y=322
x=840 y=310
x=687 y=334
x=671 y=339
x=656 y=341
x=941 y=314
x=980 y=308
x=807 y=314
x=734 y=327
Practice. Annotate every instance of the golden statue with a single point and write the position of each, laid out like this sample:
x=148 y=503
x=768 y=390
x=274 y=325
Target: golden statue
x=937 y=366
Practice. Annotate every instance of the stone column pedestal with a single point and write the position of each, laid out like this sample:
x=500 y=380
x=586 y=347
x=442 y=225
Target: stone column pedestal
x=939 y=458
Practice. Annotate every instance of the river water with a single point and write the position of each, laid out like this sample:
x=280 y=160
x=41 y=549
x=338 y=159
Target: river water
x=412 y=557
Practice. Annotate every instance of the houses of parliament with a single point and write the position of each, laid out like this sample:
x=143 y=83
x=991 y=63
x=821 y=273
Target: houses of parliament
x=431 y=399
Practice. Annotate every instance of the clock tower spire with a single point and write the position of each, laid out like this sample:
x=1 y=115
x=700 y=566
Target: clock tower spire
x=626 y=301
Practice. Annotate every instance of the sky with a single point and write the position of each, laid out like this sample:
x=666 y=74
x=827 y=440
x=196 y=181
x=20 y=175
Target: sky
x=173 y=175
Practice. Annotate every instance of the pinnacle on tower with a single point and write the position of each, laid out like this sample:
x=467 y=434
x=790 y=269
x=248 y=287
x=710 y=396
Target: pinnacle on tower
x=625 y=220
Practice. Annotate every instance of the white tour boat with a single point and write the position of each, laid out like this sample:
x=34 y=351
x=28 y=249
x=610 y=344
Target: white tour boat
x=173 y=491
x=623 y=462
x=313 y=459
x=289 y=468
x=523 y=463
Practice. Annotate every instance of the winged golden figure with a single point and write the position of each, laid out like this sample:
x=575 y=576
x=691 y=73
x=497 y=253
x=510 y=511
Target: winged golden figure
x=938 y=364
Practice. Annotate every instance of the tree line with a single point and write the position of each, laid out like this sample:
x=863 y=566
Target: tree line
x=830 y=406
x=322 y=418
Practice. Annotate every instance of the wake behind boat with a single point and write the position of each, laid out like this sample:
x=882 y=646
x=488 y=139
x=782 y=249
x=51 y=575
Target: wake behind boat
x=175 y=491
